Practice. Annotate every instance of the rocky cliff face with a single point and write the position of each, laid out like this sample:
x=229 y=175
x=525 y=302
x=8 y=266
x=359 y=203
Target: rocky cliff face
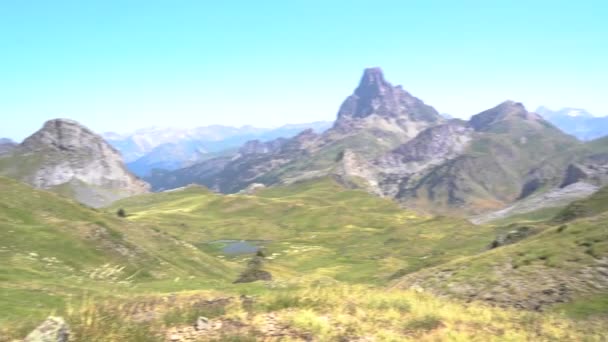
x=382 y=108
x=68 y=157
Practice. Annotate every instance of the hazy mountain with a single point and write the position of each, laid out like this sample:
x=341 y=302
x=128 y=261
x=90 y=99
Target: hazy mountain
x=66 y=157
x=577 y=122
x=214 y=138
x=170 y=149
x=6 y=145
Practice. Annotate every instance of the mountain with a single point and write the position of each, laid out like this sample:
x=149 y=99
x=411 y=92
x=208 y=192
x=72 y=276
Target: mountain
x=376 y=118
x=6 y=145
x=68 y=158
x=53 y=248
x=577 y=122
x=392 y=144
x=172 y=148
x=472 y=166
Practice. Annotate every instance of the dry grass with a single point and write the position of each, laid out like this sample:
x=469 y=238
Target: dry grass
x=335 y=313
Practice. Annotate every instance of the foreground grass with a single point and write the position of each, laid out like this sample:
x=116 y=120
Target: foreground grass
x=336 y=313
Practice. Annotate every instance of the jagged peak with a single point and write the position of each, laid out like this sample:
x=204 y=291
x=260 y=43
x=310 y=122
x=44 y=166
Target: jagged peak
x=375 y=95
x=372 y=83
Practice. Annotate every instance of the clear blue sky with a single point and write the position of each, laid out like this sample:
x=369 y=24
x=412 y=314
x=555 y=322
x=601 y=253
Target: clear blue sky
x=120 y=65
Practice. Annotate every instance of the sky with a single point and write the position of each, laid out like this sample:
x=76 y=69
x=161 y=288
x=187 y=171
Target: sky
x=119 y=65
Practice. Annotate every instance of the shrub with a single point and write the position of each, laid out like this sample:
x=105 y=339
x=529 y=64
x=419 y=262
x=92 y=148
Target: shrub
x=425 y=323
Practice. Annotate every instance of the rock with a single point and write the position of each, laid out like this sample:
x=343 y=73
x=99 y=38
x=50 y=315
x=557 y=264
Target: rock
x=54 y=329
x=574 y=174
x=67 y=154
x=202 y=323
x=252 y=189
x=513 y=236
x=251 y=275
x=174 y=337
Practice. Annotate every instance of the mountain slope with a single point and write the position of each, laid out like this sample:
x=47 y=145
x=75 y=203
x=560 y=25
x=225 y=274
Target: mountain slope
x=467 y=167
x=563 y=263
x=316 y=228
x=52 y=248
x=68 y=158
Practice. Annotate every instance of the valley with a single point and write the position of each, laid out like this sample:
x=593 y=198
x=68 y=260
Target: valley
x=393 y=224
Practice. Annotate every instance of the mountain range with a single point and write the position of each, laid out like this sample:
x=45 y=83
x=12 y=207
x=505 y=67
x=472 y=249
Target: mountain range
x=395 y=223
x=170 y=148
x=392 y=144
x=384 y=140
x=577 y=122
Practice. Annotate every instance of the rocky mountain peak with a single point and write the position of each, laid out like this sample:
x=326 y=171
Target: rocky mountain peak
x=507 y=110
x=66 y=135
x=68 y=153
x=372 y=84
x=382 y=106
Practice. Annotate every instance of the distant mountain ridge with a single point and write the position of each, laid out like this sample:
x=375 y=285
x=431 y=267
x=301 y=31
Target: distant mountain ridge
x=577 y=122
x=171 y=148
x=6 y=145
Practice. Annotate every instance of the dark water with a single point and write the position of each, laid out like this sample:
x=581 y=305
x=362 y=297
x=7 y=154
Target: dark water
x=236 y=247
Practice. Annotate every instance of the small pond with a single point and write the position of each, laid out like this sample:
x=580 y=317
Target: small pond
x=238 y=247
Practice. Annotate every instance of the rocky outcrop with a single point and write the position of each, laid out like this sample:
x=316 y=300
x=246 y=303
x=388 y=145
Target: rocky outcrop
x=555 y=198
x=259 y=147
x=68 y=156
x=53 y=329
x=252 y=189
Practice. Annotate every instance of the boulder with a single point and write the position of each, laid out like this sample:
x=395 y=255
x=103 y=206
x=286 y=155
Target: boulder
x=53 y=329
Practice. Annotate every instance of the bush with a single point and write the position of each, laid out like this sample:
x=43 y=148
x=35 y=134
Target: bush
x=121 y=213
x=425 y=323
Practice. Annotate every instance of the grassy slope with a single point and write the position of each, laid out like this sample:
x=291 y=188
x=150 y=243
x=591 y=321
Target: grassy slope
x=325 y=236
x=591 y=206
x=491 y=173
x=565 y=262
x=336 y=313
x=51 y=247
x=317 y=228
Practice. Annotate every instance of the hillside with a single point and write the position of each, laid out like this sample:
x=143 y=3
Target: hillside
x=52 y=248
x=564 y=260
x=312 y=228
